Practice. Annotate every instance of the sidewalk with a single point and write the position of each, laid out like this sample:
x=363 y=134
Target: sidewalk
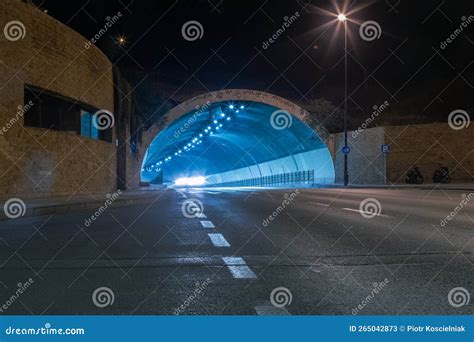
x=64 y=204
x=426 y=186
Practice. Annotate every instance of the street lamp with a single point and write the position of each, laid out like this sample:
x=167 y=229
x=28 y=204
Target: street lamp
x=343 y=19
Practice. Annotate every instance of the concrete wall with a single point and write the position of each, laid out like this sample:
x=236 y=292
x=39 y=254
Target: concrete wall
x=36 y=161
x=127 y=122
x=365 y=162
x=427 y=146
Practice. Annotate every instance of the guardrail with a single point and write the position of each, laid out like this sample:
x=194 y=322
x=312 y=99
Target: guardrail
x=305 y=177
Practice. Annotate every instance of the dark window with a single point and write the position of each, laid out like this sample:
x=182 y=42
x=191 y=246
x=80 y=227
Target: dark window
x=59 y=113
x=88 y=129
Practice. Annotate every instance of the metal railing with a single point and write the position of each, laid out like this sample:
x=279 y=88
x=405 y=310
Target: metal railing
x=300 y=177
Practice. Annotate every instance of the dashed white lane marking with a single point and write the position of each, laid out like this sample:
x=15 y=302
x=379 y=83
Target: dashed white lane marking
x=270 y=310
x=366 y=212
x=218 y=240
x=321 y=204
x=183 y=195
x=208 y=224
x=238 y=268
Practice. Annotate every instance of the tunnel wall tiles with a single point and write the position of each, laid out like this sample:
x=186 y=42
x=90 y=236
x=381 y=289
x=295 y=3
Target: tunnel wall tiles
x=51 y=56
x=318 y=160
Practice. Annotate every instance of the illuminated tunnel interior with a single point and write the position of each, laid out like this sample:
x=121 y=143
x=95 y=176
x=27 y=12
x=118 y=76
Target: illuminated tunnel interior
x=238 y=143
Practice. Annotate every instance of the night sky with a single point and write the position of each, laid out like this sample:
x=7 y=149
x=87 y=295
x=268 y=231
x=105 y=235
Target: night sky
x=405 y=65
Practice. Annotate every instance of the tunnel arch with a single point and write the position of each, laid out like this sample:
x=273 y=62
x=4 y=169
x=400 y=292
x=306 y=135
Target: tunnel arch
x=299 y=114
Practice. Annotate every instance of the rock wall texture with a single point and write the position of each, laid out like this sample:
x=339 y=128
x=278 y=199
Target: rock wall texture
x=427 y=146
x=49 y=55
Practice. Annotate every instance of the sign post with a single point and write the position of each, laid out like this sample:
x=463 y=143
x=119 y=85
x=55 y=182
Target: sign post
x=385 y=148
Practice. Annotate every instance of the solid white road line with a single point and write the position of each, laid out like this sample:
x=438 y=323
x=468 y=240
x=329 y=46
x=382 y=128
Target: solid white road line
x=218 y=240
x=365 y=212
x=208 y=224
x=321 y=204
x=270 y=310
x=238 y=268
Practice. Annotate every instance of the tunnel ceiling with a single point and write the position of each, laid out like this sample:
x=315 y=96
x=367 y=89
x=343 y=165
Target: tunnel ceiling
x=242 y=135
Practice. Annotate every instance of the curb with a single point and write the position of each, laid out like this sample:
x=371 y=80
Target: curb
x=63 y=208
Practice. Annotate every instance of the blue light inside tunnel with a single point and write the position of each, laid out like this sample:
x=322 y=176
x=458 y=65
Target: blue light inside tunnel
x=240 y=144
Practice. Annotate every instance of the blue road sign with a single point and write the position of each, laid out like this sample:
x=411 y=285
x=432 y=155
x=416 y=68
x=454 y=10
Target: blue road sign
x=346 y=149
x=385 y=148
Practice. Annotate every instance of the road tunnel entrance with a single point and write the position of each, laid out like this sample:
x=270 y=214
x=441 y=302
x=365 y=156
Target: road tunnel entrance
x=237 y=141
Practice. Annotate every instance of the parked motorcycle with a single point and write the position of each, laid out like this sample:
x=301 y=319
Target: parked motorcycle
x=414 y=176
x=441 y=175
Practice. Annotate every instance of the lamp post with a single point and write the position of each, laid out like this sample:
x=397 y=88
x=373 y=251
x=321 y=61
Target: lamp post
x=342 y=18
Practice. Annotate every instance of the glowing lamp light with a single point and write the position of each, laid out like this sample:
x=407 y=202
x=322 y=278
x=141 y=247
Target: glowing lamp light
x=231 y=106
x=242 y=107
x=222 y=114
x=215 y=121
x=228 y=118
x=190 y=181
x=341 y=17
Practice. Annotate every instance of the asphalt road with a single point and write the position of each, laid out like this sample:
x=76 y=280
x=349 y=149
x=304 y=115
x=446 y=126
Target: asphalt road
x=320 y=249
